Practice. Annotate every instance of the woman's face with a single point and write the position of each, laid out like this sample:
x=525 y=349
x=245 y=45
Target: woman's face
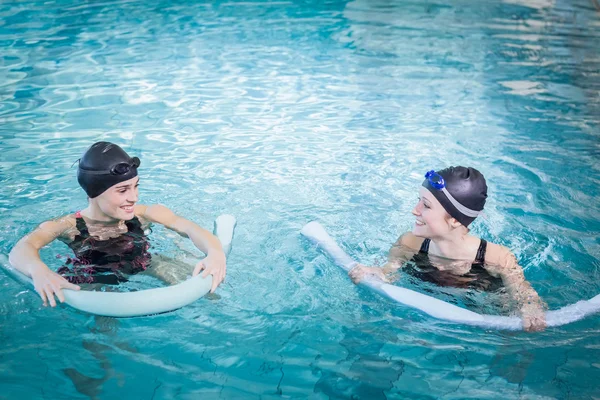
x=117 y=201
x=432 y=219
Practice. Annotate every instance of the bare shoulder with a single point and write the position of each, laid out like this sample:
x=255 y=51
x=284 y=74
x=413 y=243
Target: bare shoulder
x=63 y=227
x=410 y=241
x=60 y=225
x=151 y=211
x=499 y=255
x=140 y=210
x=156 y=213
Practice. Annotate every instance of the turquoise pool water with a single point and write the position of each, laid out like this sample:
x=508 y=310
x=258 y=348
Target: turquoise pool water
x=291 y=111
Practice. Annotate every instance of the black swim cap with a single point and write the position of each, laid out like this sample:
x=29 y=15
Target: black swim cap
x=465 y=185
x=104 y=165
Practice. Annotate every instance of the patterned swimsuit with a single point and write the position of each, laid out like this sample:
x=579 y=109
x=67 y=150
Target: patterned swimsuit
x=106 y=261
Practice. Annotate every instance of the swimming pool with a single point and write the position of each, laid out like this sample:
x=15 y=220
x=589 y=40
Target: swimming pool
x=285 y=112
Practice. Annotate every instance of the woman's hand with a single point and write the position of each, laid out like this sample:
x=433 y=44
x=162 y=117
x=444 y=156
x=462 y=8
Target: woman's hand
x=359 y=273
x=49 y=284
x=534 y=317
x=214 y=264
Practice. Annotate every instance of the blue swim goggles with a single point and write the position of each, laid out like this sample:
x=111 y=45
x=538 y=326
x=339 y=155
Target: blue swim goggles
x=437 y=182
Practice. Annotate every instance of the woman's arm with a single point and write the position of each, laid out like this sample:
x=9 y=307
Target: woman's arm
x=532 y=308
x=401 y=252
x=25 y=257
x=215 y=262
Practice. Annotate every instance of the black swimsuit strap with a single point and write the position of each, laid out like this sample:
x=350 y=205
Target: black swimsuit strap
x=134 y=225
x=425 y=246
x=82 y=227
x=480 y=258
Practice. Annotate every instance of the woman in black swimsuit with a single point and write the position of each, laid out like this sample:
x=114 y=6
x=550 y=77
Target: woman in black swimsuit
x=108 y=237
x=440 y=249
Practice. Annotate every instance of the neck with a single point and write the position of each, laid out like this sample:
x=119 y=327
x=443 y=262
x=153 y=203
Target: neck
x=94 y=213
x=454 y=246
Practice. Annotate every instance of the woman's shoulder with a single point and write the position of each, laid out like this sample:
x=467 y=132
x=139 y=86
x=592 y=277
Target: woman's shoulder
x=497 y=254
x=140 y=212
x=64 y=221
x=409 y=240
x=61 y=227
x=147 y=211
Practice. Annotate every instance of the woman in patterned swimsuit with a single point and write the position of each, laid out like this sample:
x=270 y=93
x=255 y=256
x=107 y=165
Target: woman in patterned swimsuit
x=441 y=251
x=108 y=237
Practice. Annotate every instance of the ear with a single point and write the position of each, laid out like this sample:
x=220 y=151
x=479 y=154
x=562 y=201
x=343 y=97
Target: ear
x=454 y=223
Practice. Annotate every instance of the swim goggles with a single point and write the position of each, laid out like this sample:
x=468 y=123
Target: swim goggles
x=437 y=182
x=122 y=168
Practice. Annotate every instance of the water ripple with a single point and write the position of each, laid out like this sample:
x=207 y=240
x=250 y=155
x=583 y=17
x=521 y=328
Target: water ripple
x=285 y=112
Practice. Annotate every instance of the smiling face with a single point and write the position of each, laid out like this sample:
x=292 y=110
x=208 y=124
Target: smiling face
x=118 y=201
x=432 y=220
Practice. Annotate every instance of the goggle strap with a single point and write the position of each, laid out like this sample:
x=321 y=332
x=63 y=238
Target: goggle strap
x=91 y=172
x=462 y=209
x=94 y=172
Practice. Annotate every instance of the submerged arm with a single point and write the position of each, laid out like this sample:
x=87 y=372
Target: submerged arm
x=215 y=261
x=531 y=306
